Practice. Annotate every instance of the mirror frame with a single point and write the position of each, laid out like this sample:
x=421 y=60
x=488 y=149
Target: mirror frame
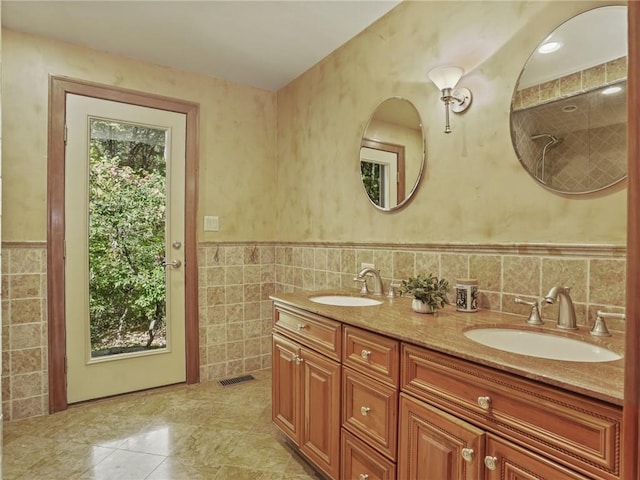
x=559 y=98
x=367 y=141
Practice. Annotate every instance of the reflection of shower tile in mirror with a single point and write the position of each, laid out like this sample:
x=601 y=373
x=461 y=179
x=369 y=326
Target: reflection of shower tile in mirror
x=594 y=77
x=616 y=69
x=571 y=84
x=591 y=128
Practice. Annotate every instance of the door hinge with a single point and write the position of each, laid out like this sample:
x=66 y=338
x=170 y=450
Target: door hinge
x=65 y=134
x=64 y=249
x=65 y=364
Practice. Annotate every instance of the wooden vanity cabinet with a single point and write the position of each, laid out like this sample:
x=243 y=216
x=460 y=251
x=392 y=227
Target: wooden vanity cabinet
x=572 y=432
x=364 y=406
x=306 y=385
x=434 y=444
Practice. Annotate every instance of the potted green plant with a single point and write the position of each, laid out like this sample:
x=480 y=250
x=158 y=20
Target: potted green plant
x=429 y=292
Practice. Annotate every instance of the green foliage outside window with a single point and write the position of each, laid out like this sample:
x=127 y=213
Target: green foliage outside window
x=370 y=173
x=126 y=231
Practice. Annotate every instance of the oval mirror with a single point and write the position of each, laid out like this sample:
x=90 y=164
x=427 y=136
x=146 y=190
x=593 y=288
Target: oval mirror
x=392 y=154
x=568 y=112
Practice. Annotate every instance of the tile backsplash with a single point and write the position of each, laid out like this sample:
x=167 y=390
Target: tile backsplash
x=596 y=275
x=236 y=279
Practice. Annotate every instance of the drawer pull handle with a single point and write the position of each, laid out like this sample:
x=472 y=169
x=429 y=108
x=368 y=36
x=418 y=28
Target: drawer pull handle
x=467 y=454
x=491 y=462
x=301 y=326
x=365 y=411
x=363 y=476
x=298 y=359
x=484 y=402
x=365 y=354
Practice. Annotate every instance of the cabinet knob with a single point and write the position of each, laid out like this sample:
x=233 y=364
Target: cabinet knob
x=301 y=326
x=484 y=402
x=467 y=454
x=363 y=476
x=491 y=462
x=298 y=359
x=365 y=354
x=365 y=411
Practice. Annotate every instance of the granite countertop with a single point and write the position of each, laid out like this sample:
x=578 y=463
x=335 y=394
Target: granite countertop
x=443 y=332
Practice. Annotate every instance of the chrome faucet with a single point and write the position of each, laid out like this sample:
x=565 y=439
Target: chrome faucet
x=566 y=310
x=377 y=280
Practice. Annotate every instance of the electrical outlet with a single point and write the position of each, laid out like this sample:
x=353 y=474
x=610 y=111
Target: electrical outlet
x=211 y=224
x=364 y=265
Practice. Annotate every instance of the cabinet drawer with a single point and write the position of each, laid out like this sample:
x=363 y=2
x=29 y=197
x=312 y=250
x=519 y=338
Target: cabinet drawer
x=510 y=461
x=361 y=462
x=313 y=331
x=371 y=354
x=574 y=430
x=369 y=409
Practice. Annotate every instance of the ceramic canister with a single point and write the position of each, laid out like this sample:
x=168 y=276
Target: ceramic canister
x=467 y=295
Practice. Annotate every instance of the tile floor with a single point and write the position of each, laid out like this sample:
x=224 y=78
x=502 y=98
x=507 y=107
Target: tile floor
x=202 y=431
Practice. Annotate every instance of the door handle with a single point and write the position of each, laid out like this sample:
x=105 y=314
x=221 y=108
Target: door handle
x=174 y=264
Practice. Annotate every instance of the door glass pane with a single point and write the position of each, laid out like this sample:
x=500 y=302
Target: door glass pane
x=127 y=216
x=373 y=179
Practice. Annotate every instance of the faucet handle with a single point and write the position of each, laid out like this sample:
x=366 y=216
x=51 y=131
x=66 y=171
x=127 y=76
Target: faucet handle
x=600 y=327
x=363 y=290
x=534 y=316
x=392 y=289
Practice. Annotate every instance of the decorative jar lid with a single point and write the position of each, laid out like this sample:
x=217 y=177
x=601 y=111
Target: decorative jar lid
x=467 y=281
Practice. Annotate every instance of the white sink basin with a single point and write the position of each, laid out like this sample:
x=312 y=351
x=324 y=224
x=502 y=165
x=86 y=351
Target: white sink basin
x=345 y=301
x=541 y=345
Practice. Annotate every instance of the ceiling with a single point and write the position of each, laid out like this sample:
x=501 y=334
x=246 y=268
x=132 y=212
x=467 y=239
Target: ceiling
x=265 y=44
x=591 y=38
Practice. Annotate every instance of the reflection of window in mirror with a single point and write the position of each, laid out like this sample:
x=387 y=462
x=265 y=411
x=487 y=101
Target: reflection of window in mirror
x=383 y=171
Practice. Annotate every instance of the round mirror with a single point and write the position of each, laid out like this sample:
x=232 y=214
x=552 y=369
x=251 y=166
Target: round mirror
x=568 y=112
x=392 y=154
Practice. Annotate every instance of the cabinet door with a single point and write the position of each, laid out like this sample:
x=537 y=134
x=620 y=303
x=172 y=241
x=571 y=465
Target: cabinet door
x=506 y=461
x=436 y=445
x=320 y=439
x=286 y=402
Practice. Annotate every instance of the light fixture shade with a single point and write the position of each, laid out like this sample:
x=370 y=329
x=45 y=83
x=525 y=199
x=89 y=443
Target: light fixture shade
x=446 y=76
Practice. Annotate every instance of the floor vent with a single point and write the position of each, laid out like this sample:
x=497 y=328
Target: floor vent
x=235 y=380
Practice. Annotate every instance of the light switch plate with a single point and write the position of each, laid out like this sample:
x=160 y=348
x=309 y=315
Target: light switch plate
x=211 y=224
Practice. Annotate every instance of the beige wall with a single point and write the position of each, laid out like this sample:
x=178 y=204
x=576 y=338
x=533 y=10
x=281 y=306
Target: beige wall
x=474 y=189
x=237 y=132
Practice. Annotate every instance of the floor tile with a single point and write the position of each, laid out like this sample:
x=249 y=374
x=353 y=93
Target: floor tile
x=189 y=432
x=123 y=465
x=173 y=469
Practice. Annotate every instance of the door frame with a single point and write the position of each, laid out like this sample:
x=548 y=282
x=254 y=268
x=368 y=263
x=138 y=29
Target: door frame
x=631 y=409
x=58 y=88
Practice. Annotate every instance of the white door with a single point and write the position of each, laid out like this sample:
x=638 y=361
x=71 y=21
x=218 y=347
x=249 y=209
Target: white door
x=124 y=235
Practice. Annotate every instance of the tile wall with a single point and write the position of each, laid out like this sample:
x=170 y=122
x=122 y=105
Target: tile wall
x=24 y=331
x=578 y=82
x=596 y=275
x=235 y=281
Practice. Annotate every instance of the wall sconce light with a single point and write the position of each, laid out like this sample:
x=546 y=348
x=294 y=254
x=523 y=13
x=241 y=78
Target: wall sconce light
x=446 y=78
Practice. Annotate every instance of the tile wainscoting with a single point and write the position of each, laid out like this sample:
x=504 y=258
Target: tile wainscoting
x=236 y=279
x=24 y=330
